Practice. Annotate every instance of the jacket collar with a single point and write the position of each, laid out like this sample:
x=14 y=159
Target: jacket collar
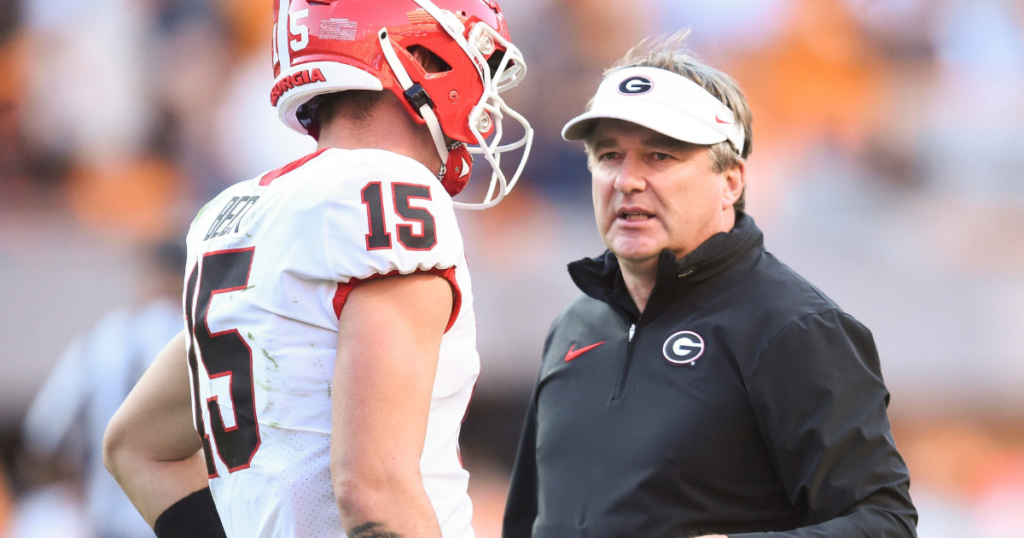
x=601 y=277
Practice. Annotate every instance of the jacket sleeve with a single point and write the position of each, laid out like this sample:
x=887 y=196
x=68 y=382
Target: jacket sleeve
x=521 y=507
x=820 y=402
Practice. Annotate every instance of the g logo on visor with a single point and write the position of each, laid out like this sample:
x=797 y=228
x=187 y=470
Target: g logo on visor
x=683 y=347
x=635 y=86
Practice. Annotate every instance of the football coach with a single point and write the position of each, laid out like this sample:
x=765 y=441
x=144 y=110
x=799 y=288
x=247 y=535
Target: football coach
x=699 y=386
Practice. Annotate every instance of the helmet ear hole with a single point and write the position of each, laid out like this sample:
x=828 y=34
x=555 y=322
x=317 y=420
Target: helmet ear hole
x=307 y=116
x=432 y=63
x=494 y=62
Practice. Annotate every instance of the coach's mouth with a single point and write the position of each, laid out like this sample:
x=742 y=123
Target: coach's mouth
x=633 y=214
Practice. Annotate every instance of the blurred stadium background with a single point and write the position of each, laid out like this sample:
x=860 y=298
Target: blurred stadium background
x=888 y=168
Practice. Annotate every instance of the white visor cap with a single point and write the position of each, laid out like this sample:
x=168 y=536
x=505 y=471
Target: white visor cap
x=662 y=101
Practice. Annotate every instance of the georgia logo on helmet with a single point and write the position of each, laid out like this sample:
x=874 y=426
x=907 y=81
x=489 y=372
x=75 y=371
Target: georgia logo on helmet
x=326 y=46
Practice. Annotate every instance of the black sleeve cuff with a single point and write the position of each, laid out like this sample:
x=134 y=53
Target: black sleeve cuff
x=194 y=516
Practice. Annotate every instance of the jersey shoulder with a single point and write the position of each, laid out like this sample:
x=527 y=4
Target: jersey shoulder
x=337 y=167
x=385 y=213
x=244 y=192
x=326 y=180
x=346 y=213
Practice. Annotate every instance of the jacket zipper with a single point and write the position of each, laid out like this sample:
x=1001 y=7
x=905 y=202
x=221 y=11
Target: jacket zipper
x=617 y=395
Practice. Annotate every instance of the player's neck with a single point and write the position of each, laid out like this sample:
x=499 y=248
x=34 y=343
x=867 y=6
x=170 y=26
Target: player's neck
x=389 y=128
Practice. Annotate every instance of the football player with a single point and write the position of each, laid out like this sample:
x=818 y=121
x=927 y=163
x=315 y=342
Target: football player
x=329 y=351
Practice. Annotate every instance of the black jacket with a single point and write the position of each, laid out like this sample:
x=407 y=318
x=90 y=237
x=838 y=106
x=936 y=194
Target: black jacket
x=779 y=424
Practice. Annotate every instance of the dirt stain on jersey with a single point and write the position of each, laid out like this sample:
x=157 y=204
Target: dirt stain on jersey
x=269 y=401
x=322 y=369
x=276 y=367
x=251 y=337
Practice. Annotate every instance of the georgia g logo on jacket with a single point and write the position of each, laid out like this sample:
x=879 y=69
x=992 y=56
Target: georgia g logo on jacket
x=683 y=347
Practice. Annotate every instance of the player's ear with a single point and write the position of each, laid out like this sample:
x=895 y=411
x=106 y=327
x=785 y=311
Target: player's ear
x=431 y=62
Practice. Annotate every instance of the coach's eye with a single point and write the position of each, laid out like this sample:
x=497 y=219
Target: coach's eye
x=661 y=156
x=607 y=156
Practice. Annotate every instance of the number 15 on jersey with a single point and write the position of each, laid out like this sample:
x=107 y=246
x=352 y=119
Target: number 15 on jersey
x=401 y=194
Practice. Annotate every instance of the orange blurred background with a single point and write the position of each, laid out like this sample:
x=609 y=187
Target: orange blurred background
x=888 y=168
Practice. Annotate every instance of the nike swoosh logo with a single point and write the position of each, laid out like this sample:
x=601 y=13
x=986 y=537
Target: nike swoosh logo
x=720 y=120
x=573 y=352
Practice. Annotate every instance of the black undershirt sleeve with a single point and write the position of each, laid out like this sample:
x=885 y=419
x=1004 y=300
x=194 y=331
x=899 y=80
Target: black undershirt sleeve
x=820 y=402
x=195 y=516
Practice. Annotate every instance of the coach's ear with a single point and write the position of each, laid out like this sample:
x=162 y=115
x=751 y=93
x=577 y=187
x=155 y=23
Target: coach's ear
x=733 y=183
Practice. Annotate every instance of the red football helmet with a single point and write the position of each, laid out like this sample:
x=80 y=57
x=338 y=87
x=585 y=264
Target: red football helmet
x=325 y=46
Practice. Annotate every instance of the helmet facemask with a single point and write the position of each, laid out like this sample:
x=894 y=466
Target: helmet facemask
x=487 y=114
x=360 y=45
x=493 y=109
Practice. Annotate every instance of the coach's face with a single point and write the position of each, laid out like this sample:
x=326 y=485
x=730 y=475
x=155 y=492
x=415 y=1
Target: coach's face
x=652 y=192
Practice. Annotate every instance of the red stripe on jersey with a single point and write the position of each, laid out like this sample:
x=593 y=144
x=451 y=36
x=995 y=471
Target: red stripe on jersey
x=290 y=167
x=344 y=288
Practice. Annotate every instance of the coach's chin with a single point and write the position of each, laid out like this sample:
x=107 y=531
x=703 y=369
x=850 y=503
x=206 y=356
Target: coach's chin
x=698 y=387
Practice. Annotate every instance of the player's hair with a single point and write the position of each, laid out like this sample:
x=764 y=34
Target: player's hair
x=353 y=105
x=358 y=105
x=670 y=53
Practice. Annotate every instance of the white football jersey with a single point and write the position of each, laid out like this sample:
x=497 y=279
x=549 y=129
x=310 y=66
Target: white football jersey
x=271 y=261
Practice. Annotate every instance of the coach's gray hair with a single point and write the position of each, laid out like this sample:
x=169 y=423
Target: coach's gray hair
x=670 y=53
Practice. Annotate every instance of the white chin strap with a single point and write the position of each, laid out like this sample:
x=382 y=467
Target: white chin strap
x=490 y=108
x=406 y=82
